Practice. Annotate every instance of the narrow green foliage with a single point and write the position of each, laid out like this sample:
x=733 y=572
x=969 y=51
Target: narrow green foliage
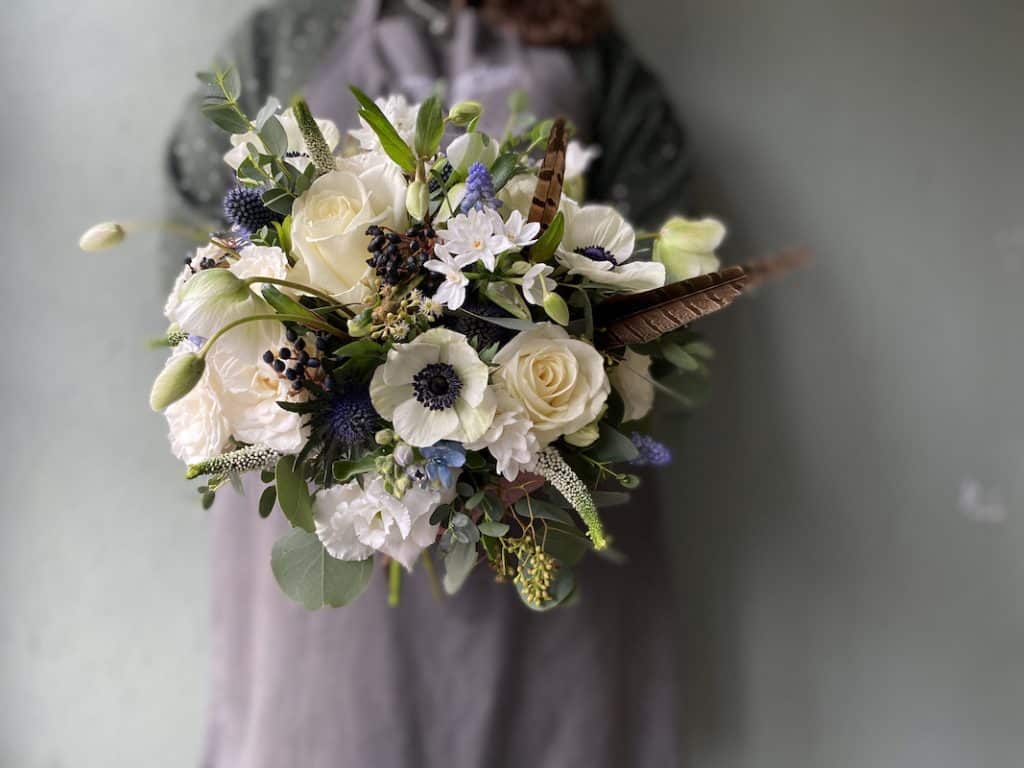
x=390 y=140
x=545 y=247
x=429 y=128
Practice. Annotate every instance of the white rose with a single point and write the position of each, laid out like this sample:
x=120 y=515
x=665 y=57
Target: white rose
x=250 y=390
x=632 y=380
x=197 y=427
x=560 y=381
x=239 y=141
x=329 y=224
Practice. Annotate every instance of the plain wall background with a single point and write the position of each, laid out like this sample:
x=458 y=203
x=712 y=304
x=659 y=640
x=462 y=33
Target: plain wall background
x=849 y=505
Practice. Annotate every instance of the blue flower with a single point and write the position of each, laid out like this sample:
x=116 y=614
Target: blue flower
x=651 y=451
x=479 y=190
x=441 y=459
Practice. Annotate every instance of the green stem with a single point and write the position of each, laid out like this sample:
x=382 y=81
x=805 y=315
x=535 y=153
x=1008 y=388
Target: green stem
x=290 y=284
x=435 y=582
x=326 y=327
x=394 y=582
x=174 y=227
x=646 y=235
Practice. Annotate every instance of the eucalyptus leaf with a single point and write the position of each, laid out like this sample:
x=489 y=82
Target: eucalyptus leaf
x=308 y=575
x=231 y=81
x=273 y=136
x=612 y=446
x=279 y=200
x=457 y=565
x=493 y=529
x=293 y=493
x=225 y=116
x=267 y=500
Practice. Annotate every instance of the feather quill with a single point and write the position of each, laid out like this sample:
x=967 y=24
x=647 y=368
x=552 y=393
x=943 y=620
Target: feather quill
x=548 y=193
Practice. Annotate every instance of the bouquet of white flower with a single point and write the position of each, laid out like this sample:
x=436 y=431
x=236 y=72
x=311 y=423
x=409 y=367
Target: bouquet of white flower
x=422 y=349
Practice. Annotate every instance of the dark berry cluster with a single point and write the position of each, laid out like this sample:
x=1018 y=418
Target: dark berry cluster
x=294 y=362
x=206 y=263
x=435 y=184
x=481 y=332
x=244 y=209
x=396 y=257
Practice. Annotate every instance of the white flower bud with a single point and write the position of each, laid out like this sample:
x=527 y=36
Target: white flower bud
x=101 y=236
x=177 y=379
x=417 y=200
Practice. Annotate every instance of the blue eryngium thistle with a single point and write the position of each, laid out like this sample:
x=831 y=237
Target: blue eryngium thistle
x=552 y=467
x=479 y=190
x=243 y=208
x=248 y=459
x=651 y=451
x=348 y=417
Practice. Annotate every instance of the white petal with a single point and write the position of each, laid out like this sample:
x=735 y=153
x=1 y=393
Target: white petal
x=420 y=426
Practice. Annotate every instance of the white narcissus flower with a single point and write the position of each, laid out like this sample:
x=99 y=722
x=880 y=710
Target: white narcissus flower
x=250 y=390
x=434 y=388
x=452 y=292
x=537 y=284
x=510 y=438
x=329 y=224
x=687 y=248
x=239 y=151
x=519 y=232
x=596 y=246
x=399 y=112
x=632 y=380
x=197 y=427
x=475 y=236
x=560 y=381
x=353 y=521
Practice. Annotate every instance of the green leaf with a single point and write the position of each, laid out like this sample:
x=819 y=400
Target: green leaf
x=565 y=544
x=279 y=200
x=390 y=141
x=267 y=500
x=429 y=127
x=503 y=169
x=604 y=499
x=679 y=357
x=293 y=493
x=457 y=565
x=345 y=469
x=612 y=446
x=530 y=507
x=208 y=498
x=311 y=577
x=273 y=136
x=561 y=588
x=360 y=348
x=231 y=82
x=284 y=304
x=512 y=323
x=545 y=247
x=225 y=116
x=474 y=501
x=507 y=296
x=492 y=529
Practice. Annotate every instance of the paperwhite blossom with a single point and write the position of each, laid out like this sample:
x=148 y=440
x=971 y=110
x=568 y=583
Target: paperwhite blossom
x=476 y=236
x=510 y=438
x=520 y=232
x=536 y=283
x=452 y=292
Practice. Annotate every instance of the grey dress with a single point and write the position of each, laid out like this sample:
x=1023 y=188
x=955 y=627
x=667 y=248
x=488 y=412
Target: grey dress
x=476 y=679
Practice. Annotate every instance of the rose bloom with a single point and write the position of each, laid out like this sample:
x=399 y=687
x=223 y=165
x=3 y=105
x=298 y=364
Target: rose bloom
x=560 y=381
x=329 y=223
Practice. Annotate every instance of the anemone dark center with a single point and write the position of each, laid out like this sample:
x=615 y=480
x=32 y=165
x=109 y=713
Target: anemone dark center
x=596 y=253
x=437 y=386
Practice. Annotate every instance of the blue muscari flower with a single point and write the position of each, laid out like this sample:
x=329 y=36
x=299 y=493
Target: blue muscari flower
x=441 y=459
x=651 y=451
x=197 y=340
x=479 y=190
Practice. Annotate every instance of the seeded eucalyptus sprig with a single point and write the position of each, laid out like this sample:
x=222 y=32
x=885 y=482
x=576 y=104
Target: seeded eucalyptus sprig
x=222 y=106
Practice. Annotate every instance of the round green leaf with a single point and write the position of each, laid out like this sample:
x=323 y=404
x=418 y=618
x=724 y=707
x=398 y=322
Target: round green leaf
x=311 y=577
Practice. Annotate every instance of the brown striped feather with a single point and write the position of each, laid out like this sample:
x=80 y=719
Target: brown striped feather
x=548 y=193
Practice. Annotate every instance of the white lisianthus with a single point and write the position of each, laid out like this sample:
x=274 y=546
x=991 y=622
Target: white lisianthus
x=434 y=388
x=560 y=381
x=399 y=112
x=687 y=248
x=239 y=141
x=329 y=224
x=519 y=232
x=476 y=236
x=196 y=424
x=596 y=246
x=577 y=160
x=260 y=261
x=452 y=292
x=537 y=284
x=353 y=522
x=632 y=380
x=250 y=390
x=517 y=194
x=510 y=438
x=471 y=148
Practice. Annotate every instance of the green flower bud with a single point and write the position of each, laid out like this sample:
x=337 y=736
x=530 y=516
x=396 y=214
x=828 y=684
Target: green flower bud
x=177 y=379
x=384 y=437
x=465 y=112
x=687 y=248
x=581 y=438
x=417 y=200
x=101 y=236
x=360 y=325
x=556 y=308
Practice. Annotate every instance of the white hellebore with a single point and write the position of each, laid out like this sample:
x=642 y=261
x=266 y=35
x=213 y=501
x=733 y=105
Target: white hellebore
x=469 y=148
x=452 y=292
x=329 y=224
x=434 y=388
x=296 y=144
x=196 y=423
x=560 y=381
x=399 y=112
x=597 y=244
x=687 y=248
x=353 y=522
x=537 y=284
x=476 y=236
x=510 y=438
x=632 y=380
